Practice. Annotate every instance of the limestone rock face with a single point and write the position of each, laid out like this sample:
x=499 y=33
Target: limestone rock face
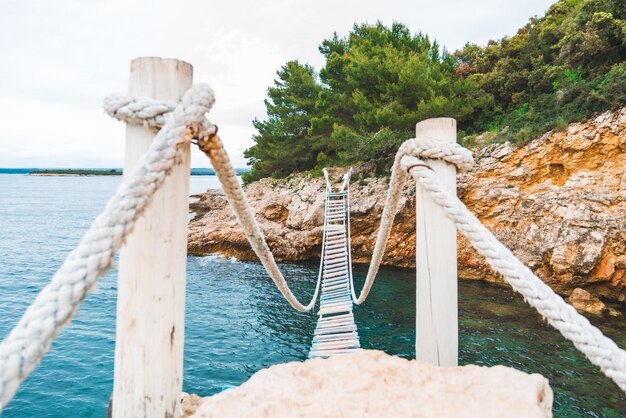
x=585 y=301
x=291 y=214
x=371 y=383
x=559 y=203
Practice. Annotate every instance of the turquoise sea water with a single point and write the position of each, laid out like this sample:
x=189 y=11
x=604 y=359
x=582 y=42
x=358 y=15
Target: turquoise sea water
x=236 y=321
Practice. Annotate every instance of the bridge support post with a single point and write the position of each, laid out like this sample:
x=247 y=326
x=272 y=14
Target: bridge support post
x=151 y=285
x=436 y=260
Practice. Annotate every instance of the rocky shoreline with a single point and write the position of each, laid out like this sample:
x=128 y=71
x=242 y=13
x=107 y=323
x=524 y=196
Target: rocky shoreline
x=558 y=202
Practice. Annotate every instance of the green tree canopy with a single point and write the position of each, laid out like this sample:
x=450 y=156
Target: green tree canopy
x=558 y=68
x=378 y=81
x=376 y=84
x=283 y=143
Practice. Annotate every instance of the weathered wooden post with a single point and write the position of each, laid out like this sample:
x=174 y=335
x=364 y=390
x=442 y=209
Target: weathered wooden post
x=437 y=338
x=151 y=286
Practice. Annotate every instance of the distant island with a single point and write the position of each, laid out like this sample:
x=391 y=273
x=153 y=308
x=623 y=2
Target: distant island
x=77 y=172
x=97 y=171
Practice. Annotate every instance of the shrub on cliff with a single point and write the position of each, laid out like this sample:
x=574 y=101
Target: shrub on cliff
x=559 y=68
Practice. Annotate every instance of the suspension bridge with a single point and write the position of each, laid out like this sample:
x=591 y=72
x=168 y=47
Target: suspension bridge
x=146 y=220
x=336 y=332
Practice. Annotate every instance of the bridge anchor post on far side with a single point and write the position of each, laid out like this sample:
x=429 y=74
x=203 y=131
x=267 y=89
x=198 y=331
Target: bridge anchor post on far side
x=437 y=339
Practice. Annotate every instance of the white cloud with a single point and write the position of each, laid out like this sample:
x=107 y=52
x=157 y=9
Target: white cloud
x=59 y=60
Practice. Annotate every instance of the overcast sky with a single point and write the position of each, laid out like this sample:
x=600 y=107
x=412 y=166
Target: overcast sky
x=60 y=58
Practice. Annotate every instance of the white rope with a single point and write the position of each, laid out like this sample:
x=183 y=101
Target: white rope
x=154 y=113
x=329 y=187
x=30 y=339
x=427 y=148
x=600 y=350
x=212 y=146
x=348 y=224
x=346 y=180
x=138 y=110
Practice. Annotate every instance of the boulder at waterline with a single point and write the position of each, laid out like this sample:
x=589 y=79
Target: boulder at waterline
x=586 y=302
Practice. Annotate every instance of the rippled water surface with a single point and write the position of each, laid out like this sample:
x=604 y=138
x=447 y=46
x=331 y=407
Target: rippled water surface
x=237 y=323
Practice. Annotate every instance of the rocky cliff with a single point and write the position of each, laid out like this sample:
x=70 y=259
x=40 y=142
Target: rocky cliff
x=559 y=202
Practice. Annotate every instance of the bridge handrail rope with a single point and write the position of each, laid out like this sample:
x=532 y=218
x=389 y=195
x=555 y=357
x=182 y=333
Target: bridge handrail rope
x=55 y=305
x=58 y=302
x=329 y=187
x=346 y=179
x=347 y=187
x=152 y=113
x=235 y=195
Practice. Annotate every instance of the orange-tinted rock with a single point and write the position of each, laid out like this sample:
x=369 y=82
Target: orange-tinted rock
x=586 y=302
x=559 y=203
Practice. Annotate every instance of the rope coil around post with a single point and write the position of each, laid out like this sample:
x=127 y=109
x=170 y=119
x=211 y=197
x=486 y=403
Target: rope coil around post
x=427 y=148
x=599 y=349
x=153 y=113
x=58 y=302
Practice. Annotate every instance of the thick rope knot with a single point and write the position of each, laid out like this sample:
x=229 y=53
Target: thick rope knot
x=153 y=113
x=416 y=149
x=435 y=149
x=55 y=305
x=138 y=110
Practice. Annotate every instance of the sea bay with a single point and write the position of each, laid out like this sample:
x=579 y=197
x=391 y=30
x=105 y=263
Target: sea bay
x=237 y=322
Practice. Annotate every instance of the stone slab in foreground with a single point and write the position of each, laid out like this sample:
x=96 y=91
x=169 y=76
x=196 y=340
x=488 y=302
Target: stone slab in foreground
x=371 y=383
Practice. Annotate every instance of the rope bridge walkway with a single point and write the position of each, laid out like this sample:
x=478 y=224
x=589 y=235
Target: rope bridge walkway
x=186 y=122
x=336 y=332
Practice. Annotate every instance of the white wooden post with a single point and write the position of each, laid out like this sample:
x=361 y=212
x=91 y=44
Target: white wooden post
x=437 y=339
x=151 y=286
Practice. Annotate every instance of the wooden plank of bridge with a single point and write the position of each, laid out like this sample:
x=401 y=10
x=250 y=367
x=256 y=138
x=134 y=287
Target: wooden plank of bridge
x=436 y=258
x=151 y=285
